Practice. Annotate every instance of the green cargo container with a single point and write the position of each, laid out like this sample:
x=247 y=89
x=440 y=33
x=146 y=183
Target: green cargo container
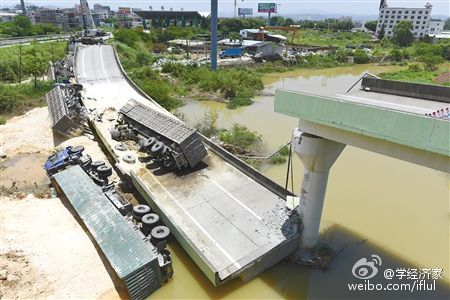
x=131 y=260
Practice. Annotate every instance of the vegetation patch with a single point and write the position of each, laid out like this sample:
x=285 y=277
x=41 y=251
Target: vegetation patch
x=240 y=140
x=419 y=73
x=15 y=99
x=21 y=26
x=19 y=62
x=237 y=85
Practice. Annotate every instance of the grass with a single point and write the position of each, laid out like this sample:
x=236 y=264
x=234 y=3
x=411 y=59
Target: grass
x=315 y=37
x=10 y=59
x=420 y=74
x=19 y=98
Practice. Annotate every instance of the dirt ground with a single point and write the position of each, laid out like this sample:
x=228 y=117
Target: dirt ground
x=44 y=253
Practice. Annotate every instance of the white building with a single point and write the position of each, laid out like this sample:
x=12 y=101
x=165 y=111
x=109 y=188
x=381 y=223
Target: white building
x=435 y=27
x=7 y=16
x=419 y=17
x=103 y=12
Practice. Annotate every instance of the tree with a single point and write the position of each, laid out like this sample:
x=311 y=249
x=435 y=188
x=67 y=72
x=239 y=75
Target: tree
x=403 y=36
x=447 y=24
x=371 y=25
x=381 y=33
x=36 y=62
x=288 y=22
x=23 y=25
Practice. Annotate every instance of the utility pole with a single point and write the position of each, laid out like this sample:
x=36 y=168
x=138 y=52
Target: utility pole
x=214 y=7
x=235 y=4
x=20 y=63
x=24 y=9
x=53 y=52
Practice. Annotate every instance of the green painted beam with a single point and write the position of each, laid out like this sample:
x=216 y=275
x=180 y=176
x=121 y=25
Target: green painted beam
x=421 y=132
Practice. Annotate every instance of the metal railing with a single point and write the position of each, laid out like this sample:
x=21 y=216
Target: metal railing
x=29 y=39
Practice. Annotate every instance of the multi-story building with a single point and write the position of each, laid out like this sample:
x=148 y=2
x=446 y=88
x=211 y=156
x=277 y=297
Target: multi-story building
x=103 y=12
x=390 y=16
x=7 y=16
x=34 y=17
x=435 y=27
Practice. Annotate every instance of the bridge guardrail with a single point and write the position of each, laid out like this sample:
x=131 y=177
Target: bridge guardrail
x=39 y=38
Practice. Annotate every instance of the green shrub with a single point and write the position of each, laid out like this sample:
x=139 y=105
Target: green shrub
x=127 y=36
x=284 y=151
x=431 y=61
x=397 y=55
x=361 y=57
x=241 y=137
x=414 y=68
x=277 y=159
x=18 y=98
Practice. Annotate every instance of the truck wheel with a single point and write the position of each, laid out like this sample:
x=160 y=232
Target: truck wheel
x=76 y=150
x=159 y=234
x=140 y=210
x=148 y=144
x=149 y=221
x=141 y=145
x=129 y=159
x=158 y=148
x=104 y=171
x=96 y=164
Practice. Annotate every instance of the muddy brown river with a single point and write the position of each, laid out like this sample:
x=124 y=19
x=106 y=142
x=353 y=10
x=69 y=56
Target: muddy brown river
x=374 y=205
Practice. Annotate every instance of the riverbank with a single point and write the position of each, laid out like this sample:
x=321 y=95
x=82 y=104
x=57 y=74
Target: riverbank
x=418 y=73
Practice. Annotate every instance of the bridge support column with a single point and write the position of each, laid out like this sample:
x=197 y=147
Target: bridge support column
x=317 y=155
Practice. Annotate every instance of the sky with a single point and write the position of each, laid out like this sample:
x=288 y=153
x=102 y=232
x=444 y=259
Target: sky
x=285 y=7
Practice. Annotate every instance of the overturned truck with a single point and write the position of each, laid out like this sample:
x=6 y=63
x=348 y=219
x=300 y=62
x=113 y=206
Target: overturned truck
x=65 y=109
x=130 y=240
x=168 y=140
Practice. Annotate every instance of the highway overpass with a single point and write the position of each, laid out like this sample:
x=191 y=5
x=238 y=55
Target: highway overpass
x=386 y=117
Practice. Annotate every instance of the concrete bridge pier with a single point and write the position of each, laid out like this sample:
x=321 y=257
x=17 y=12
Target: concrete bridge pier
x=317 y=155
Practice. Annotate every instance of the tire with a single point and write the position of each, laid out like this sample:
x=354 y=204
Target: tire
x=104 y=171
x=140 y=210
x=129 y=159
x=160 y=234
x=76 y=150
x=158 y=148
x=148 y=144
x=150 y=221
x=96 y=164
x=74 y=158
x=121 y=147
x=141 y=143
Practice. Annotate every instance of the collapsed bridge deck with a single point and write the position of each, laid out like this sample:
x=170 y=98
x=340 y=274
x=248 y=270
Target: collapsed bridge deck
x=229 y=223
